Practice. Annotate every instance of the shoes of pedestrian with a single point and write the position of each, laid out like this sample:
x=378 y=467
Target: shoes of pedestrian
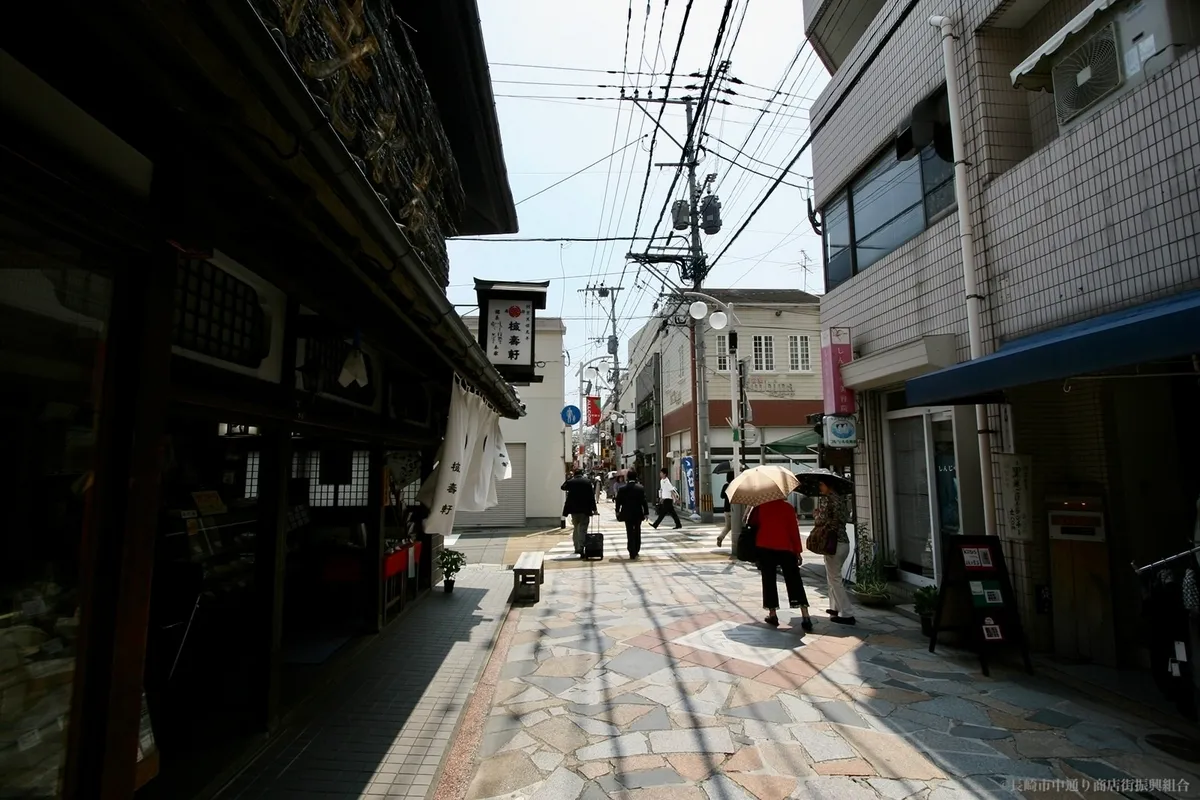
x=842 y=620
x=807 y=625
x=720 y=540
x=677 y=527
x=831 y=612
x=654 y=525
x=773 y=621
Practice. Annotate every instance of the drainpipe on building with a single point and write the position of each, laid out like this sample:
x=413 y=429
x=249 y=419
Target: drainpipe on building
x=967 y=240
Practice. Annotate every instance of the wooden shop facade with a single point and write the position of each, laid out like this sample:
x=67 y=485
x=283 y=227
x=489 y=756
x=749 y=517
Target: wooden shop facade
x=226 y=356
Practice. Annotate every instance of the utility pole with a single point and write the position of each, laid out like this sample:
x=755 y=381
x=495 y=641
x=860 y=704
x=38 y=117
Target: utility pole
x=614 y=346
x=694 y=269
x=699 y=272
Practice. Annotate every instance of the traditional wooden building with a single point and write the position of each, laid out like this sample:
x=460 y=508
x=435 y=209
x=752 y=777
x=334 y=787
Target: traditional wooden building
x=226 y=354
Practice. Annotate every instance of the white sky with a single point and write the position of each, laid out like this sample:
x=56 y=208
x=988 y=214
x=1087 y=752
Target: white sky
x=545 y=140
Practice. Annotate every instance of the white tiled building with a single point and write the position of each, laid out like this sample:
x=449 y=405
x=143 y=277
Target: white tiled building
x=1077 y=222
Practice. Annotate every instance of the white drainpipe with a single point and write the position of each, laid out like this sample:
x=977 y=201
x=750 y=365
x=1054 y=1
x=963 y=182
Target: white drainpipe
x=967 y=240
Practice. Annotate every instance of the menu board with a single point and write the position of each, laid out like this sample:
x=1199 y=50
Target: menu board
x=976 y=599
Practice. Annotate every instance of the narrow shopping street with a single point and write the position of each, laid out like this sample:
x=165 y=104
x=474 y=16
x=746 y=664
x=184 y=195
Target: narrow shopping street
x=658 y=680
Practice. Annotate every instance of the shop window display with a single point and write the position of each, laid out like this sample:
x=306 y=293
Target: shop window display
x=54 y=313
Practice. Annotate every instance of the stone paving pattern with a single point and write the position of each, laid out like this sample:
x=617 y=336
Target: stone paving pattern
x=659 y=681
x=383 y=730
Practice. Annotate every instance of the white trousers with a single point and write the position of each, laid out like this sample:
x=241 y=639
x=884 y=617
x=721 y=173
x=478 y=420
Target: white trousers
x=839 y=598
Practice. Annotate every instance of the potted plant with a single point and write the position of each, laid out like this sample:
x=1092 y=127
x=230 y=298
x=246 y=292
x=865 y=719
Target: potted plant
x=870 y=584
x=450 y=562
x=925 y=603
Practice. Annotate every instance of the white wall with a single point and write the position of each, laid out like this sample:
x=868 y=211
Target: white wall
x=541 y=430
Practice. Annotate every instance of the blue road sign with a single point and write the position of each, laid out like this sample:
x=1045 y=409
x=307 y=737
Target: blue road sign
x=571 y=415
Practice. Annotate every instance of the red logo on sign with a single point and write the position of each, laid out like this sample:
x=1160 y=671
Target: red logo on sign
x=514 y=311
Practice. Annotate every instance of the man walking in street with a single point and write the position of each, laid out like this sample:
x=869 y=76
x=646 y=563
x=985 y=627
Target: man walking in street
x=580 y=505
x=632 y=509
x=666 y=500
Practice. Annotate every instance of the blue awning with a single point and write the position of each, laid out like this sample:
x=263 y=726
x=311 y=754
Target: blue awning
x=1155 y=331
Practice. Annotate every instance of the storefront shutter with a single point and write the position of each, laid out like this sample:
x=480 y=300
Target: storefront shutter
x=510 y=513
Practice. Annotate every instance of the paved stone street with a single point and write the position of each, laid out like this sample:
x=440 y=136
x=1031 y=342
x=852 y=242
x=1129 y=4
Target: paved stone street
x=659 y=680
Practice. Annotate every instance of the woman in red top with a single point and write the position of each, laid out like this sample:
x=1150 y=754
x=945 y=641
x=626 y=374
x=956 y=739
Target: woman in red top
x=779 y=547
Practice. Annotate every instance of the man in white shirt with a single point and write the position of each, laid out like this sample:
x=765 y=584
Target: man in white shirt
x=666 y=500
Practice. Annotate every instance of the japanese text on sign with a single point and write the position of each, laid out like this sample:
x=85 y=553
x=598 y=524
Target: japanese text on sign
x=510 y=332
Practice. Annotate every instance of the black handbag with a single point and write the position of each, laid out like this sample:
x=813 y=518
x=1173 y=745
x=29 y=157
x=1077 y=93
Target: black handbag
x=747 y=544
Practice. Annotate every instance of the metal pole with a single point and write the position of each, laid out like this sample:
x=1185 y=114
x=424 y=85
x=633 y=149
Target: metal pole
x=967 y=240
x=582 y=418
x=703 y=467
x=735 y=401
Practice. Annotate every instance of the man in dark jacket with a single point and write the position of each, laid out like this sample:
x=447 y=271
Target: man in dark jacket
x=632 y=509
x=580 y=505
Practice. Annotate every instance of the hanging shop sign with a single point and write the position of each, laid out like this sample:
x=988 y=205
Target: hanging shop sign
x=976 y=599
x=508 y=326
x=839 y=431
x=1014 y=496
x=835 y=351
x=593 y=410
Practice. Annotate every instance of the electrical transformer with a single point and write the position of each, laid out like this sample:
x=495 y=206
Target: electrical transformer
x=680 y=215
x=710 y=214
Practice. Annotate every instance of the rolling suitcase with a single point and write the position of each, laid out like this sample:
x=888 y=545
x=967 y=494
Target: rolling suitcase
x=593 y=545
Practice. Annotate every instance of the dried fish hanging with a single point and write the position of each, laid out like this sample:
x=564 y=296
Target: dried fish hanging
x=359 y=62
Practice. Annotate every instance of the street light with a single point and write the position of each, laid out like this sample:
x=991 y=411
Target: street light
x=718 y=320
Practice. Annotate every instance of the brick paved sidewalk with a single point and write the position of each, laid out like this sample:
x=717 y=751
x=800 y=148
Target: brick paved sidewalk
x=384 y=727
x=658 y=681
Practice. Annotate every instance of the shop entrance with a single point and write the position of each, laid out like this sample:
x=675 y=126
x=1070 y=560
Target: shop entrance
x=922 y=486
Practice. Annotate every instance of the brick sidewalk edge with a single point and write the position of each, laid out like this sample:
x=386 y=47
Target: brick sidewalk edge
x=458 y=765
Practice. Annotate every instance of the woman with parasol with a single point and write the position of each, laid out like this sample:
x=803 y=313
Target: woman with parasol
x=829 y=537
x=776 y=534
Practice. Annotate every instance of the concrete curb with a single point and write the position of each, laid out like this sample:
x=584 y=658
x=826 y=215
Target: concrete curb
x=457 y=768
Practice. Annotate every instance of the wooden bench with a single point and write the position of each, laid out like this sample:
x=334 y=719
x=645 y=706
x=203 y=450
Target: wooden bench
x=528 y=577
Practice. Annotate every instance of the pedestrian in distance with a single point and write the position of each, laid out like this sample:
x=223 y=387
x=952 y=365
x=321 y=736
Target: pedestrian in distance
x=667 y=495
x=580 y=506
x=632 y=509
x=726 y=508
x=779 y=547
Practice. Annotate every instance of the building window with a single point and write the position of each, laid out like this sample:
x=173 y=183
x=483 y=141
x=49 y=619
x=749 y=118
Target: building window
x=308 y=465
x=888 y=204
x=839 y=266
x=722 y=352
x=798 y=359
x=251 y=491
x=764 y=353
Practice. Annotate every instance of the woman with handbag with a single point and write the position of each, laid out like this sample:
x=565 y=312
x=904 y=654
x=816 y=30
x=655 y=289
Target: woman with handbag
x=829 y=538
x=777 y=542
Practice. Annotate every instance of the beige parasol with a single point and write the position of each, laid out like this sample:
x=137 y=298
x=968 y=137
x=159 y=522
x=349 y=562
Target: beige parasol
x=762 y=484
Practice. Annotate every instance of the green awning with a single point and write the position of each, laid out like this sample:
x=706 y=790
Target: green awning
x=799 y=444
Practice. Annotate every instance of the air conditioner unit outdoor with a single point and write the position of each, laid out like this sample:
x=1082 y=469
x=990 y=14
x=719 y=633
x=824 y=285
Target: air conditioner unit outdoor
x=1125 y=47
x=1087 y=74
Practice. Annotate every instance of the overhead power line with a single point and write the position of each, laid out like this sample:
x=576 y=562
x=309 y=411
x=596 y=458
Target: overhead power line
x=582 y=169
x=816 y=128
x=577 y=69
x=552 y=239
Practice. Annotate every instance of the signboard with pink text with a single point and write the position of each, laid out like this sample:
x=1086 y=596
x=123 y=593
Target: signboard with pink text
x=835 y=351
